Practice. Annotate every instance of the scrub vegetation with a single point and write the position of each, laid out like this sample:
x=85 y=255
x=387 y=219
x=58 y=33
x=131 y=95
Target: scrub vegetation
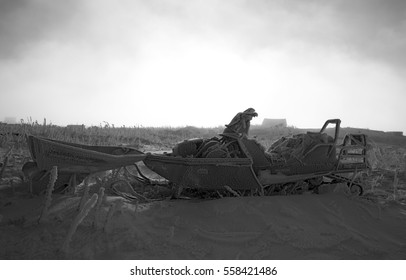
x=96 y=221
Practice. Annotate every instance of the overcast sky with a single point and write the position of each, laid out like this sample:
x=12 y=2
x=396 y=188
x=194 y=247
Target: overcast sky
x=199 y=62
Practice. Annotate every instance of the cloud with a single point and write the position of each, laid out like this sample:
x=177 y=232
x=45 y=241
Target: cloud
x=367 y=30
x=25 y=23
x=115 y=56
x=373 y=29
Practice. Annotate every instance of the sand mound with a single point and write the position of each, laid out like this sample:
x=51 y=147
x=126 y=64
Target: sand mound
x=329 y=226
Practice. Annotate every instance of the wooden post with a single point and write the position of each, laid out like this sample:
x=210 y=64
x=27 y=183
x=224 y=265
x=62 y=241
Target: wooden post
x=53 y=175
x=5 y=161
x=72 y=183
x=85 y=193
x=395 y=185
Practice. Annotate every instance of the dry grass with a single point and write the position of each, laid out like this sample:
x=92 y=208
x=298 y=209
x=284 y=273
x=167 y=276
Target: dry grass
x=137 y=136
x=388 y=158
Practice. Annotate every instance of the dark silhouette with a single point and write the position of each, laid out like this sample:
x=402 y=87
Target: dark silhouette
x=240 y=124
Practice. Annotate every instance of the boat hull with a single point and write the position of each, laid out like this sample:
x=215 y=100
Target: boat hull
x=77 y=158
x=205 y=173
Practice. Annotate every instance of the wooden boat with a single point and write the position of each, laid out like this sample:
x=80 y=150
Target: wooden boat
x=78 y=158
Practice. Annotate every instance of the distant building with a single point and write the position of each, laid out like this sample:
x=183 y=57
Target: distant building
x=269 y=123
x=10 y=120
x=76 y=126
x=395 y=133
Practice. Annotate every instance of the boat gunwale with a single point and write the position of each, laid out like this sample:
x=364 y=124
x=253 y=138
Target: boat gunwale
x=199 y=161
x=40 y=147
x=81 y=147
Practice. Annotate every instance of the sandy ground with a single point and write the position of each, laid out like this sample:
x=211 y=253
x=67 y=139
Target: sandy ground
x=326 y=226
x=330 y=225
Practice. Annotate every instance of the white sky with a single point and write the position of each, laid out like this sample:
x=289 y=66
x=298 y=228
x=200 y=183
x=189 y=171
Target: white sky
x=199 y=62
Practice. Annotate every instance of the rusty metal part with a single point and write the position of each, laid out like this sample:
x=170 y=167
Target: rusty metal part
x=205 y=173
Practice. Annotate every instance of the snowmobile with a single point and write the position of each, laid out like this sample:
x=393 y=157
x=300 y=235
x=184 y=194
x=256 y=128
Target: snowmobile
x=227 y=160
